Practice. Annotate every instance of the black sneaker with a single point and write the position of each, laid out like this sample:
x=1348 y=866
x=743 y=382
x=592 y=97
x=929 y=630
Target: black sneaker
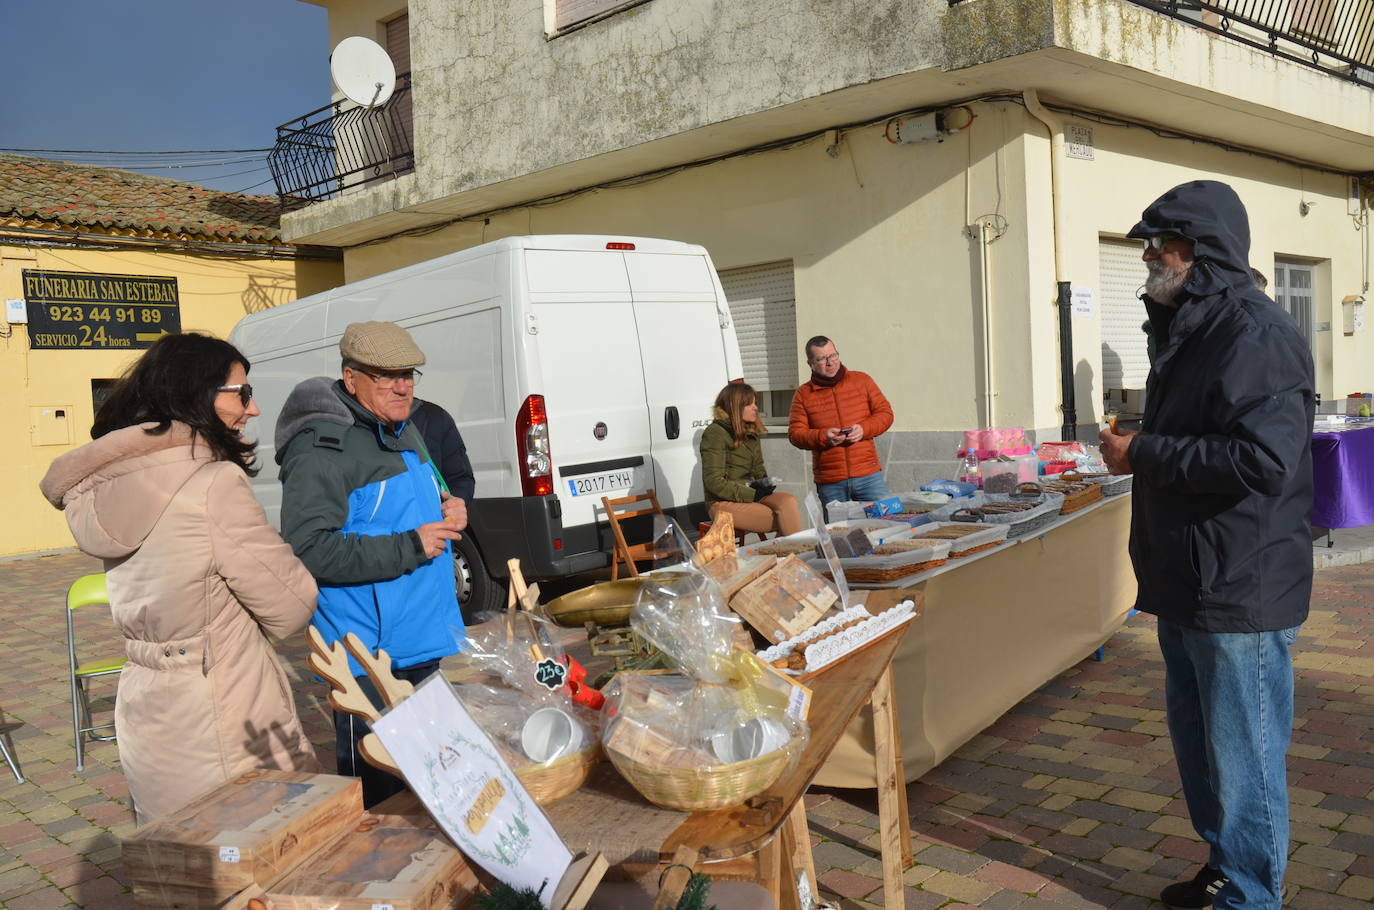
x=1196 y=894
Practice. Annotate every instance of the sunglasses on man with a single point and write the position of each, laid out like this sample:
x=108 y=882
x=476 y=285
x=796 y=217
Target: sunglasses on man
x=1156 y=242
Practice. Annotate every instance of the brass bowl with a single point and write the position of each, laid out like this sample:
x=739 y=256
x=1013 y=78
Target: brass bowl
x=606 y=604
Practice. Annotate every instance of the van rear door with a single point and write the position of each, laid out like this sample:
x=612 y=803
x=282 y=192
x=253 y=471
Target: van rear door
x=593 y=378
x=683 y=349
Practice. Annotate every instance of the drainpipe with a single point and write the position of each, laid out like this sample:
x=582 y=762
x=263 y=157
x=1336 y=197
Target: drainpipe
x=989 y=408
x=1069 y=430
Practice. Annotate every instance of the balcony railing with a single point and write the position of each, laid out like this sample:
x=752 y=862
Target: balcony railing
x=1336 y=36
x=342 y=145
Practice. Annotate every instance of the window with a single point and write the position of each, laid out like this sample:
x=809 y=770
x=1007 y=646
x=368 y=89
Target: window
x=1293 y=290
x=763 y=306
x=1121 y=274
x=100 y=393
x=398 y=48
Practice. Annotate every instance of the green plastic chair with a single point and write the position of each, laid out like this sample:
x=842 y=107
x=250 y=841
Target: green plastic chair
x=86 y=591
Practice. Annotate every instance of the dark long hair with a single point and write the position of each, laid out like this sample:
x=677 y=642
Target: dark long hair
x=176 y=379
x=733 y=399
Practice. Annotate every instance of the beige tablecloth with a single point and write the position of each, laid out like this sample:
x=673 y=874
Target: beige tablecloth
x=992 y=632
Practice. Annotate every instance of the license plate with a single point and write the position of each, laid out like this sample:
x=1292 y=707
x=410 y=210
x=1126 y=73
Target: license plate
x=599 y=484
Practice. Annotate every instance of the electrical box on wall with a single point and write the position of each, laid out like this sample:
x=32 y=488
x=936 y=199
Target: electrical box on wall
x=1352 y=314
x=16 y=312
x=50 y=426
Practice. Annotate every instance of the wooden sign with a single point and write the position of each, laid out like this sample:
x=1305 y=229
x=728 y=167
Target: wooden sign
x=248 y=831
x=720 y=540
x=734 y=572
x=399 y=861
x=785 y=600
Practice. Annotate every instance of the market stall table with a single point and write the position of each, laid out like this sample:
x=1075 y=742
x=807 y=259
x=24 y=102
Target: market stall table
x=996 y=626
x=1343 y=474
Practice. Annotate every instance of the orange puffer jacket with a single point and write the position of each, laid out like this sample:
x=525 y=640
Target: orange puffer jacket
x=854 y=399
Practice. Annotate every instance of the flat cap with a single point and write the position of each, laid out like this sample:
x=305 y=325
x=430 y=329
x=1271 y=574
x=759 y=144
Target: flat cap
x=384 y=345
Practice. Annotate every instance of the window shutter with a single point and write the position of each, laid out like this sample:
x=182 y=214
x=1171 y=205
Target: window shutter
x=398 y=48
x=1125 y=357
x=570 y=12
x=763 y=307
x=1293 y=284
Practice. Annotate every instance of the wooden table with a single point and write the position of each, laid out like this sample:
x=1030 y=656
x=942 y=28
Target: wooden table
x=766 y=840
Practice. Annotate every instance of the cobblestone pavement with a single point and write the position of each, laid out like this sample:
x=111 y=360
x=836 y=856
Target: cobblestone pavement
x=1070 y=800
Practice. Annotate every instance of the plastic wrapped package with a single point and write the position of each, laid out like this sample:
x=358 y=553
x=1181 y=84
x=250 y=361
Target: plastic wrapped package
x=702 y=739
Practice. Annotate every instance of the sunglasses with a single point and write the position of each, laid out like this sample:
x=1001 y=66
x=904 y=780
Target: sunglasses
x=244 y=389
x=1156 y=242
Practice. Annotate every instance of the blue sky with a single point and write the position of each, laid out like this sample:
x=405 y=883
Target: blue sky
x=161 y=75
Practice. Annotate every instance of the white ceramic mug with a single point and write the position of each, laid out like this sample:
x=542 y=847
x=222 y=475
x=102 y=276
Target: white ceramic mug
x=550 y=734
x=751 y=738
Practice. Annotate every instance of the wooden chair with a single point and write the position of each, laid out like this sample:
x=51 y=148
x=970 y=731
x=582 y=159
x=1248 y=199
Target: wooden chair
x=622 y=509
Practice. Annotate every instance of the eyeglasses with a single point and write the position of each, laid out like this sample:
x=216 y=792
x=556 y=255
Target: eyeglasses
x=388 y=380
x=1156 y=242
x=827 y=359
x=244 y=389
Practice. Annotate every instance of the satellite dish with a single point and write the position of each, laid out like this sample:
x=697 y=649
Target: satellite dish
x=363 y=71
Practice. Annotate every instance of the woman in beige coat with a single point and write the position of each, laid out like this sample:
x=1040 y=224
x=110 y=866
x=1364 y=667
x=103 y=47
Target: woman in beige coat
x=197 y=578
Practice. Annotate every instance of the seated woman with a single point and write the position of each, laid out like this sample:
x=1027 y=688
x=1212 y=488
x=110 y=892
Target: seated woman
x=197 y=578
x=732 y=467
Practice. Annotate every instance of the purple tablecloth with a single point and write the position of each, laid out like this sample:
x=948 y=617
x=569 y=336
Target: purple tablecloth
x=1343 y=479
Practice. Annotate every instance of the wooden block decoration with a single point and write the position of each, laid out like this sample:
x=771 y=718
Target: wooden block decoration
x=785 y=600
x=734 y=572
x=404 y=862
x=250 y=830
x=720 y=540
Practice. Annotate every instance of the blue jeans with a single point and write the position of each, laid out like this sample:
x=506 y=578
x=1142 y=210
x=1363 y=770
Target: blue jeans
x=1230 y=703
x=855 y=489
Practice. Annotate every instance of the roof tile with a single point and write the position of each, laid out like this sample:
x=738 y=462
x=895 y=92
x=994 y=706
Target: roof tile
x=78 y=194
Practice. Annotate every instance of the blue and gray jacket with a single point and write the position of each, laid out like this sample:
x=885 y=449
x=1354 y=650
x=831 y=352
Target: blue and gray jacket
x=353 y=492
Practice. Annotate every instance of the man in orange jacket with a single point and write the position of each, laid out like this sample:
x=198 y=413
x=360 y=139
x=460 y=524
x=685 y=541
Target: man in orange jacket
x=837 y=414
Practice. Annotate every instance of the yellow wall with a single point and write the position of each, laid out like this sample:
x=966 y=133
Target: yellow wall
x=214 y=294
x=883 y=266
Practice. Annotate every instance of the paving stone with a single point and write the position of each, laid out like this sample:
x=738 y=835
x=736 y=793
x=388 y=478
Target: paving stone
x=1357 y=887
x=1324 y=857
x=848 y=884
x=951 y=860
x=832 y=853
x=1011 y=878
x=959 y=887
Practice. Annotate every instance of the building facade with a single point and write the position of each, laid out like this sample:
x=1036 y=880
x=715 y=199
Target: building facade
x=942 y=189
x=95 y=264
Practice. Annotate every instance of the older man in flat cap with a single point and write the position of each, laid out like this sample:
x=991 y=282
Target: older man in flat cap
x=365 y=510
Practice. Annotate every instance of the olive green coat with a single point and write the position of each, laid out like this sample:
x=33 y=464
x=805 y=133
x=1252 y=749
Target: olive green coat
x=726 y=469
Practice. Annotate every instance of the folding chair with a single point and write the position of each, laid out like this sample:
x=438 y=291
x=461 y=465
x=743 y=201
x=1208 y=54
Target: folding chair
x=7 y=749
x=86 y=591
x=615 y=514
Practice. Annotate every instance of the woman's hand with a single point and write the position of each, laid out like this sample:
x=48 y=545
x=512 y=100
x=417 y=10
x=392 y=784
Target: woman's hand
x=762 y=488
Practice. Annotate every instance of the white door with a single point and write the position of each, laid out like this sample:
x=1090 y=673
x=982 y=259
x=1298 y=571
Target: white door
x=682 y=348
x=593 y=382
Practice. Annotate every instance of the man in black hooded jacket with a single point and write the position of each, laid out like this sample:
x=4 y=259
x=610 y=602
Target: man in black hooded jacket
x=1220 y=537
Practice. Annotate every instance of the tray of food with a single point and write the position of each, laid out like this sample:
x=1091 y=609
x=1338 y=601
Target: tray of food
x=1077 y=493
x=1112 y=484
x=965 y=538
x=890 y=561
x=828 y=641
x=852 y=536
x=1022 y=515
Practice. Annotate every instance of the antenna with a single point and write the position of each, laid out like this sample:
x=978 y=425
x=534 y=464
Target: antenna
x=363 y=71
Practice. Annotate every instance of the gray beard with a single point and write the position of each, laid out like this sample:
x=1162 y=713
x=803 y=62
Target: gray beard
x=1164 y=283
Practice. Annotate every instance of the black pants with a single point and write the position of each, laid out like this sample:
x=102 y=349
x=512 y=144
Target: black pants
x=349 y=731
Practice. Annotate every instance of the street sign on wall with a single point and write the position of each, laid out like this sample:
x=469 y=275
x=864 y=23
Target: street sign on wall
x=96 y=311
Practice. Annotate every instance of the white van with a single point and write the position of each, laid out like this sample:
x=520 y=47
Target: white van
x=615 y=347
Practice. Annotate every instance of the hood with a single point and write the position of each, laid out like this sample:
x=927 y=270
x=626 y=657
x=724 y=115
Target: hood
x=311 y=400
x=1211 y=215
x=115 y=488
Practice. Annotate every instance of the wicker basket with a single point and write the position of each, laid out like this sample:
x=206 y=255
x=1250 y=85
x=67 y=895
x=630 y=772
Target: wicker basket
x=1112 y=484
x=557 y=779
x=706 y=787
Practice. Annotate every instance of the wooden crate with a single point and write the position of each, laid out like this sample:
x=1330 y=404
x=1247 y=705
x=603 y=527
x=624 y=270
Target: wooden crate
x=400 y=861
x=787 y=599
x=247 y=831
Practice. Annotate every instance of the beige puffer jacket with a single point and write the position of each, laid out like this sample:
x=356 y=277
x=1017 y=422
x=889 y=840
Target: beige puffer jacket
x=197 y=578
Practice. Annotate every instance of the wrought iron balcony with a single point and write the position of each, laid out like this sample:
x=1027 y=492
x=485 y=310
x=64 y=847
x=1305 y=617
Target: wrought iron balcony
x=343 y=145
x=1336 y=36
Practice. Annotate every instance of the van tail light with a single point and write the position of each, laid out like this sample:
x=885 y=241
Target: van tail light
x=532 y=443
x=619 y=245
